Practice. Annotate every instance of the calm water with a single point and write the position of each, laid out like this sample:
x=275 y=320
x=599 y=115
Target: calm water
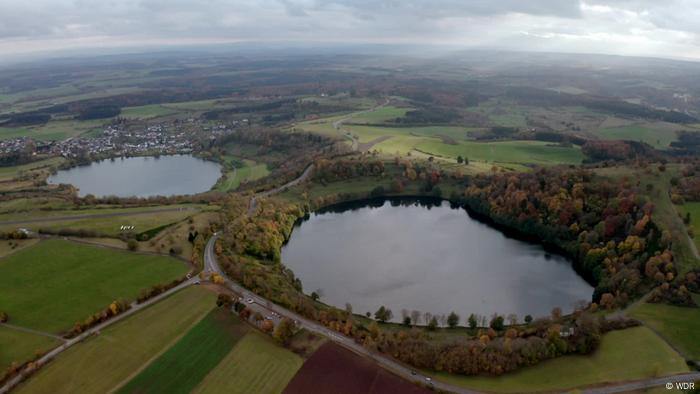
x=428 y=258
x=142 y=176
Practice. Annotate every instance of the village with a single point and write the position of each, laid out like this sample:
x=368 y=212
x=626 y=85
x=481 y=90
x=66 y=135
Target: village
x=125 y=139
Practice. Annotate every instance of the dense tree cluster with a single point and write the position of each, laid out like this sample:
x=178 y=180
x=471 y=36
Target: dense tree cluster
x=537 y=96
x=99 y=112
x=488 y=352
x=260 y=235
x=687 y=187
x=287 y=154
x=606 y=228
x=429 y=116
x=153 y=291
x=598 y=150
x=678 y=292
x=334 y=170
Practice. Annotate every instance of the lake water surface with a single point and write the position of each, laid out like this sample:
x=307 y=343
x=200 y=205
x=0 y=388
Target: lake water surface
x=142 y=176
x=406 y=254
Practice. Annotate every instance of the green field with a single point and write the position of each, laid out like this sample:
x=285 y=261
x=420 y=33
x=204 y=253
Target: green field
x=503 y=112
x=692 y=208
x=380 y=115
x=519 y=152
x=254 y=365
x=39 y=203
x=659 y=138
x=53 y=284
x=250 y=171
x=679 y=326
x=147 y=111
x=631 y=354
x=104 y=362
x=108 y=226
x=448 y=142
x=12 y=172
x=55 y=130
x=18 y=346
x=185 y=364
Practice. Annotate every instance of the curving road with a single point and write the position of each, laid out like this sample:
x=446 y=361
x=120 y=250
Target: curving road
x=264 y=306
x=338 y=124
x=304 y=175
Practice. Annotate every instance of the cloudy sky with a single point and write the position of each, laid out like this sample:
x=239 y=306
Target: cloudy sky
x=661 y=28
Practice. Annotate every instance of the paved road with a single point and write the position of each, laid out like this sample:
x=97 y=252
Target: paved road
x=304 y=175
x=258 y=303
x=644 y=384
x=91 y=216
x=70 y=342
x=265 y=307
x=338 y=124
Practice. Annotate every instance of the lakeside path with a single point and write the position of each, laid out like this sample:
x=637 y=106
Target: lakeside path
x=264 y=305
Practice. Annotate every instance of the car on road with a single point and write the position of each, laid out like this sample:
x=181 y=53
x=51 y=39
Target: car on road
x=249 y=300
x=268 y=317
x=196 y=282
x=413 y=372
x=428 y=379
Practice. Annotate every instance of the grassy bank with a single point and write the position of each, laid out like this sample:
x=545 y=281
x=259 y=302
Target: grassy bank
x=635 y=353
x=677 y=325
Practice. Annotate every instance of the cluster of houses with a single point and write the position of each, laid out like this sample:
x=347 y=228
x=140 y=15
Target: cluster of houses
x=118 y=139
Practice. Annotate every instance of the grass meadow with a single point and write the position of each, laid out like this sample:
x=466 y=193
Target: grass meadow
x=631 y=354
x=254 y=365
x=107 y=361
x=55 y=283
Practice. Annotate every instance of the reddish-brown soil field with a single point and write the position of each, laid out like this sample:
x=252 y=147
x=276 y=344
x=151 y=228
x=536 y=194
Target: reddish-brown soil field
x=334 y=369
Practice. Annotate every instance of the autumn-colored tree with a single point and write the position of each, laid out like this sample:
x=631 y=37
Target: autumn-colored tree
x=607 y=301
x=217 y=279
x=284 y=331
x=267 y=326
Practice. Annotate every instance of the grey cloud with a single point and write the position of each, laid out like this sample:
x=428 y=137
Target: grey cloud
x=570 y=25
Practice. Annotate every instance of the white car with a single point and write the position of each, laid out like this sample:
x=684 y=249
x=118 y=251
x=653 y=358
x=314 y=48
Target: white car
x=249 y=300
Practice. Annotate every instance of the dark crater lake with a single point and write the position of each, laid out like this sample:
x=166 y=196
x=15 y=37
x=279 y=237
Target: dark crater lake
x=427 y=256
x=142 y=176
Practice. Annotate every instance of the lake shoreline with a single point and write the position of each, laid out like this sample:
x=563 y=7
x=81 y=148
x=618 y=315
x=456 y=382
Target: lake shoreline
x=533 y=255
